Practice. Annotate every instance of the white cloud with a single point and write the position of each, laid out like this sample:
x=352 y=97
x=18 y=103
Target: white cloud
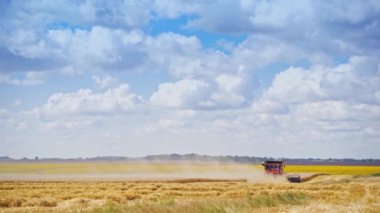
x=295 y=85
x=70 y=32
x=206 y=104
x=223 y=92
x=346 y=82
x=226 y=100
x=276 y=31
x=99 y=47
x=67 y=123
x=314 y=26
x=84 y=101
x=106 y=81
x=233 y=90
x=269 y=107
x=321 y=106
x=337 y=111
x=184 y=93
x=180 y=55
x=82 y=51
x=229 y=83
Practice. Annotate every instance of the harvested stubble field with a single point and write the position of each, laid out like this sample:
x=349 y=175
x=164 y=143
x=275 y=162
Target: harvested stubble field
x=336 y=193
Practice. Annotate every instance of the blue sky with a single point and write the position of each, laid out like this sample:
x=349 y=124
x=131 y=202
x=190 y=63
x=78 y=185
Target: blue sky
x=131 y=78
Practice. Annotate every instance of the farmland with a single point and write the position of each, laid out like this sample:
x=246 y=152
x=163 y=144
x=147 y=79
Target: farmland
x=171 y=168
x=334 y=170
x=183 y=188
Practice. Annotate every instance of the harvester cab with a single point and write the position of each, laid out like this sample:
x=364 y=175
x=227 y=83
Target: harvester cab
x=274 y=167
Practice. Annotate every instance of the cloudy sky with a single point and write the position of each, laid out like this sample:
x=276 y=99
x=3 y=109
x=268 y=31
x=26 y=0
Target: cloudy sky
x=81 y=78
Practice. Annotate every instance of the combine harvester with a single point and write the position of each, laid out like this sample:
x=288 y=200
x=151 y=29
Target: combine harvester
x=277 y=168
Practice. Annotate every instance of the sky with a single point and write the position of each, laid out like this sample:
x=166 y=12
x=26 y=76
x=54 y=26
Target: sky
x=85 y=78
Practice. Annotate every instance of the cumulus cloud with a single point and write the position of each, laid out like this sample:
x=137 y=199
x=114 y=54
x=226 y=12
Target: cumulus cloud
x=82 y=50
x=346 y=82
x=96 y=49
x=184 y=56
x=321 y=26
x=337 y=111
x=269 y=107
x=66 y=33
x=184 y=93
x=234 y=90
x=85 y=101
x=79 y=51
x=225 y=91
x=53 y=35
x=204 y=96
x=321 y=103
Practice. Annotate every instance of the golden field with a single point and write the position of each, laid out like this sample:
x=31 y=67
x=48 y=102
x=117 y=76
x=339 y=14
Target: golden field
x=117 y=167
x=162 y=167
x=357 y=192
x=338 y=194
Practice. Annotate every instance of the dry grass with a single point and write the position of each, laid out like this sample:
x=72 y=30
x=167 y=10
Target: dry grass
x=358 y=194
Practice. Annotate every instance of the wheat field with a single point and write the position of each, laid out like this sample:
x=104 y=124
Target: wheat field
x=334 y=193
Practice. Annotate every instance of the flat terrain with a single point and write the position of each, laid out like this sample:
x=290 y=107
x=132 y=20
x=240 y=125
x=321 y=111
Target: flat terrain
x=175 y=187
x=121 y=171
x=117 y=171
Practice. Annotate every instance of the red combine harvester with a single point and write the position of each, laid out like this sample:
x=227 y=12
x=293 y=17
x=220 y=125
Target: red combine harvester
x=274 y=167
x=277 y=168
